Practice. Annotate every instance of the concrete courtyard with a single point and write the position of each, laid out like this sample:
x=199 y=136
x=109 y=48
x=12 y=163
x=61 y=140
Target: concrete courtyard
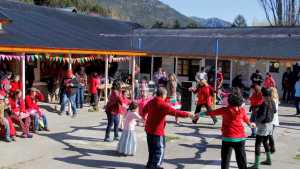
x=78 y=144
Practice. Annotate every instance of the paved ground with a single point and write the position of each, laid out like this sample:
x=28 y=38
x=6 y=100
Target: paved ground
x=78 y=144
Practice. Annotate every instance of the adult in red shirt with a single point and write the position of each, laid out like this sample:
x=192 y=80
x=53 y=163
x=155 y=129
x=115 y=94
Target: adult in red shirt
x=269 y=81
x=205 y=99
x=19 y=113
x=156 y=111
x=94 y=86
x=233 y=132
x=256 y=99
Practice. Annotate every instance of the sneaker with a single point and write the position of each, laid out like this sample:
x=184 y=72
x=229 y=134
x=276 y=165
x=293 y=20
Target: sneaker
x=74 y=116
x=67 y=113
x=107 y=140
x=8 y=139
x=46 y=129
x=116 y=139
x=29 y=135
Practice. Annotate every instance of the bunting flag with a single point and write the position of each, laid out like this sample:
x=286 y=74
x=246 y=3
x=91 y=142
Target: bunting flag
x=62 y=58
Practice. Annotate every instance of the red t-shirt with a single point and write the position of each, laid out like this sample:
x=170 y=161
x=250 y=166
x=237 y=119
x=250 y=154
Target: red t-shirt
x=232 y=125
x=94 y=84
x=204 y=95
x=256 y=99
x=156 y=111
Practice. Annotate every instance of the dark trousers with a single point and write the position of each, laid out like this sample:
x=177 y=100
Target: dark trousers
x=156 y=149
x=94 y=99
x=113 y=120
x=240 y=154
x=261 y=140
x=286 y=94
x=297 y=101
x=208 y=108
x=271 y=141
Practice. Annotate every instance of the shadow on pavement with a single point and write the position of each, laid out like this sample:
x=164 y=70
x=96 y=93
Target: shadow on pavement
x=84 y=153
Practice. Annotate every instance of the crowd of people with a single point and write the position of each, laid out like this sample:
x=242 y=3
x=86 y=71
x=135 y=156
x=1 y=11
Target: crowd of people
x=124 y=112
x=17 y=111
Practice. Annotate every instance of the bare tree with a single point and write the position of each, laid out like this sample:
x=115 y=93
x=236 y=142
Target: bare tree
x=281 y=12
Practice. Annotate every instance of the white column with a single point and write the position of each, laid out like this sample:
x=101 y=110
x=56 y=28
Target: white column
x=70 y=62
x=152 y=67
x=23 y=75
x=231 y=72
x=106 y=80
x=133 y=77
x=216 y=63
x=176 y=65
x=202 y=63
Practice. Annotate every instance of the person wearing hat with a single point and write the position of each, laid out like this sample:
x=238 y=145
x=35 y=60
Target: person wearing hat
x=233 y=133
x=70 y=85
x=264 y=123
x=205 y=98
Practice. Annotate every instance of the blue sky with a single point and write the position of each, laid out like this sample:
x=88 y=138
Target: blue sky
x=224 y=9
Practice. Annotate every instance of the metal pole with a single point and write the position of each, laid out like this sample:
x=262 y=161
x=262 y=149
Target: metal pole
x=152 y=67
x=216 y=69
x=216 y=63
x=133 y=77
x=106 y=80
x=70 y=62
x=231 y=72
x=176 y=65
x=23 y=56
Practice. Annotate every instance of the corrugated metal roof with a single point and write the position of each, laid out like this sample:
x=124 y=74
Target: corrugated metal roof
x=46 y=27
x=275 y=42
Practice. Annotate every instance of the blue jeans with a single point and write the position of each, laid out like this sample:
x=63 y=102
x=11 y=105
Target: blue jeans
x=7 y=129
x=65 y=100
x=36 y=121
x=113 y=120
x=80 y=97
x=156 y=149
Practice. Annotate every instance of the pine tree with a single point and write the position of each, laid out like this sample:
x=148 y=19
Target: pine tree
x=239 y=21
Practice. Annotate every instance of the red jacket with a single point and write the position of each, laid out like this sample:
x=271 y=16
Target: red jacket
x=269 y=82
x=256 y=99
x=232 y=126
x=15 y=86
x=17 y=108
x=114 y=104
x=94 y=84
x=204 y=95
x=31 y=103
x=156 y=111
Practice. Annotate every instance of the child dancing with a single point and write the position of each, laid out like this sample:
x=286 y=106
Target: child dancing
x=128 y=142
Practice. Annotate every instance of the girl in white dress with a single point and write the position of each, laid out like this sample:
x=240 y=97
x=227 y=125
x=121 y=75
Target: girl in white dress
x=275 y=98
x=128 y=142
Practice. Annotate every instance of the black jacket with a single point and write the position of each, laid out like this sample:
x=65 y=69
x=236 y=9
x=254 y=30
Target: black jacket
x=265 y=114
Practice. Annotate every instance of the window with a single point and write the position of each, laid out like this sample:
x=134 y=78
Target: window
x=183 y=67
x=274 y=67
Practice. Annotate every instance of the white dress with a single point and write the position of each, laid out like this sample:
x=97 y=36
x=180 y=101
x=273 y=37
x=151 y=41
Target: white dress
x=276 y=116
x=128 y=143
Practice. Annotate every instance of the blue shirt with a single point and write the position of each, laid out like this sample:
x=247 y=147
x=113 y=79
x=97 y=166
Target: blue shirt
x=297 y=89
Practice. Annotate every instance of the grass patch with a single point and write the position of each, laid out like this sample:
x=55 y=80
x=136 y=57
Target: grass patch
x=297 y=157
x=171 y=138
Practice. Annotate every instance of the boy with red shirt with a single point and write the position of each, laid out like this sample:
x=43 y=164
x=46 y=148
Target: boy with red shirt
x=156 y=111
x=205 y=99
x=233 y=133
x=256 y=99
